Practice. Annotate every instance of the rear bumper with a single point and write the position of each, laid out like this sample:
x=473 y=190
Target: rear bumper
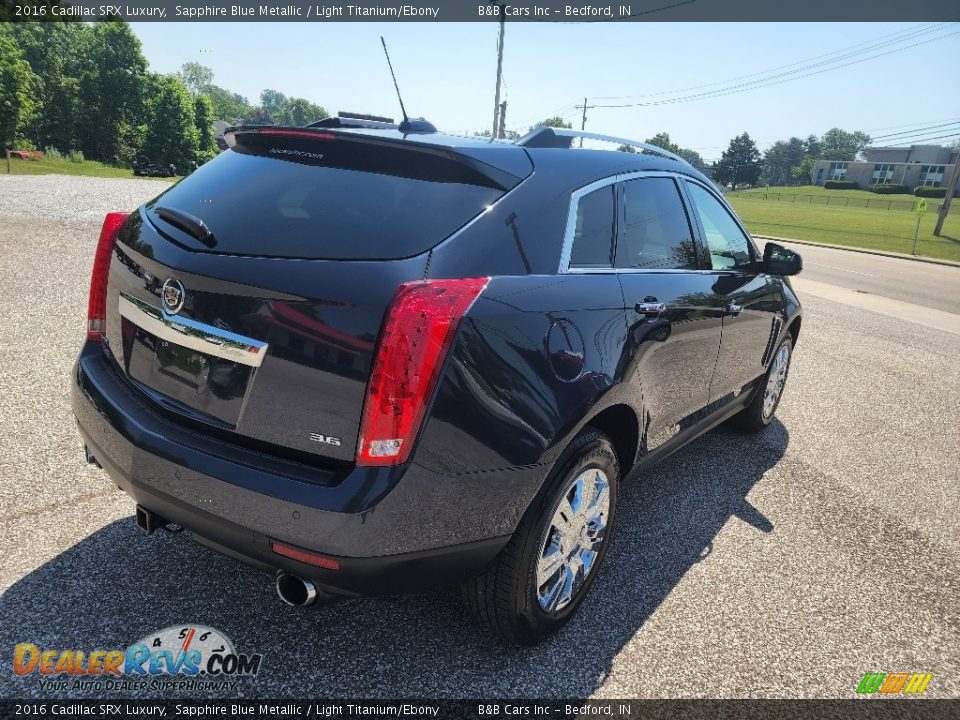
x=391 y=529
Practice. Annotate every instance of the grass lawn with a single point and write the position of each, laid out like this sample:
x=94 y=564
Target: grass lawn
x=63 y=166
x=873 y=228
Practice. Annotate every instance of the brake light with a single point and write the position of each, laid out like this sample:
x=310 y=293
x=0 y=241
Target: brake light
x=297 y=133
x=97 y=305
x=421 y=323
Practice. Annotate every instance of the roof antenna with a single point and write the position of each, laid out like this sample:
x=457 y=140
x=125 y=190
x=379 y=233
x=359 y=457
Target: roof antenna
x=408 y=126
x=393 y=75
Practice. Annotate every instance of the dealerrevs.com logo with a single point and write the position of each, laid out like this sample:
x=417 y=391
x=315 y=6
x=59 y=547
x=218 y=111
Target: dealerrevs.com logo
x=185 y=657
x=878 y=683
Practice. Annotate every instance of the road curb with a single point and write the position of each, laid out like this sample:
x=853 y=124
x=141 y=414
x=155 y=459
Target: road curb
x=866 y=251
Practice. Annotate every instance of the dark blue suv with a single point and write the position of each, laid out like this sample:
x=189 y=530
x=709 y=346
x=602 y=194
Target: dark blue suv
x=372 y=361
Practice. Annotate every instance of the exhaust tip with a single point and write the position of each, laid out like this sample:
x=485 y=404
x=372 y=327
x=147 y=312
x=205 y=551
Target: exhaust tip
x=295 y=591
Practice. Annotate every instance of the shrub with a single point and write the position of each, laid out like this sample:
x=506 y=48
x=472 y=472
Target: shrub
x=51 y=152
x=930 y=191
x=889 y=189
x=840 y=185
x=76 y=156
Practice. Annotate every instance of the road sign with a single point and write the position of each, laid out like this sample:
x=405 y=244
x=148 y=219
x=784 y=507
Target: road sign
x=921 y=207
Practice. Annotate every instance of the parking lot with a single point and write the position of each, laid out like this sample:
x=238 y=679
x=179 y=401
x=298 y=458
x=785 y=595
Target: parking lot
x=786 y=565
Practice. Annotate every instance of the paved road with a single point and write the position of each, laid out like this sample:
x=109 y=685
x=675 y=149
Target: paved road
x=786 y=565
x=924 y=284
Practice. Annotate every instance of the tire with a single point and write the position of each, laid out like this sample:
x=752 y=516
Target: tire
x=507 y=598
x=760 y=412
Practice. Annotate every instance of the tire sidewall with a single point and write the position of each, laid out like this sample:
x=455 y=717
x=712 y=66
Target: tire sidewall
x=766 y=420
x=596 y=452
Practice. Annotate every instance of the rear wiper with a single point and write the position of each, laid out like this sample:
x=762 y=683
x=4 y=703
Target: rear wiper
x=190 y=224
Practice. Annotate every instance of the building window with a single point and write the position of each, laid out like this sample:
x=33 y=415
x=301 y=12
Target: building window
x=882 y=173
x=838 y=170
x=932 y=175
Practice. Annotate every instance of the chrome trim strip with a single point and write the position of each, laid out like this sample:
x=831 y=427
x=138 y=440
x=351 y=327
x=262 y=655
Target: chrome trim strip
x=572 y=216
x=191 y=334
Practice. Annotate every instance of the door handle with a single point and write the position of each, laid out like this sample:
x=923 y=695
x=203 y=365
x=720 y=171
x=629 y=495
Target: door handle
x=650 y=308
x=734 y=309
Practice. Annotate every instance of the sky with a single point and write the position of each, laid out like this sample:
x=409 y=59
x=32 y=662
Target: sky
x=447 y=74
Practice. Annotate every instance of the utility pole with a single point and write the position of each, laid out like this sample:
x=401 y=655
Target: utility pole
x=951 y=189
x=502 y=133
x=496 y=97
x=583 y=120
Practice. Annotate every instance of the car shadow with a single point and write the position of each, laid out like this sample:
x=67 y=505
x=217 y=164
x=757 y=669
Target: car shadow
x=115 y=587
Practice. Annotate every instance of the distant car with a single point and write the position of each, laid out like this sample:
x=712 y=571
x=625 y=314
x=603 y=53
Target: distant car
x=26 y=154
x=371 y=360
x=148 y=168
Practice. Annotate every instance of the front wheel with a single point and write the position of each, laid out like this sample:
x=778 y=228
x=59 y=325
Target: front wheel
x=761 y=410
x=534 y=586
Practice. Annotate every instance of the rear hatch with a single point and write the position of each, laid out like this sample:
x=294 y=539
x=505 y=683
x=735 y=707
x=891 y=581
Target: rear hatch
x=246 y=301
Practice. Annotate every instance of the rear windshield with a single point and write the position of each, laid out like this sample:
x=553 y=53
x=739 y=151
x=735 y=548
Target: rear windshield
x=280 y=203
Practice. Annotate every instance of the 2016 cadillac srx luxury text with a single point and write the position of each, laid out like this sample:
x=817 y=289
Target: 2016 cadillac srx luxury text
x=374 y=359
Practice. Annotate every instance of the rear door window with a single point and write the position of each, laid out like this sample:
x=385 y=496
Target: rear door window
x=593 y=232
x=321 y=205
x=655 y=233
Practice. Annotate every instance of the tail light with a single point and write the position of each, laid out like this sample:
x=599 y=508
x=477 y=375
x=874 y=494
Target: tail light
x=97 y=306
x=420 y=326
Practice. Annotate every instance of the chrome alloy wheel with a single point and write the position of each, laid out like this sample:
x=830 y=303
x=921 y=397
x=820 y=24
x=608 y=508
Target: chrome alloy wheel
x=573 y=539
x=776 y=380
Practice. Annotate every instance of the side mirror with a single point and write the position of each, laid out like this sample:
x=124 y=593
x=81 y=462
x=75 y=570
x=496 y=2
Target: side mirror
x=778 y=260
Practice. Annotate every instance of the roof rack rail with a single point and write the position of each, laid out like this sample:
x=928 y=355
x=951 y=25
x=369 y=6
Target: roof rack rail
x=563 y=138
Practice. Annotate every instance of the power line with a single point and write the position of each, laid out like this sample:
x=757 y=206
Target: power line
x=765 y=82
x=909 y=125
x=917 y=130
x=906 y=34
x=912 y=141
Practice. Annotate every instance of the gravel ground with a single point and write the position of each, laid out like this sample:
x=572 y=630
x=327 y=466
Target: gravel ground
x=781 y=566
x=64 y=197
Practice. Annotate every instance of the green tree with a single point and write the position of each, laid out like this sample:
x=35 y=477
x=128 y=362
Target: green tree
x=273 y=102
x=739 y=164
x=693 y=157
x=57 y=53
x=662 y=140
x=227 y=105
x=196 y=77
x=780 y=159
x=803 y=173
x=17 y=85
x=556 y=122
x=626 y=148
x=172 y=136
x=203 y=121
x=112 y=86
x=299 y=112
x=837 y=144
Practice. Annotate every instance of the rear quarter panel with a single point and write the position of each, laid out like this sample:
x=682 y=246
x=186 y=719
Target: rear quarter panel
x=533 y=358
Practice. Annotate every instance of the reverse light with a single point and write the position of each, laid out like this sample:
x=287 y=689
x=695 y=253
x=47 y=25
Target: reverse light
x=304 y=556
x=97 y=305
x=421 y=323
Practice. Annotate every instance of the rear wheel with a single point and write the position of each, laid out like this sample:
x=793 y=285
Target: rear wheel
x=761 y=410
x=536 y=583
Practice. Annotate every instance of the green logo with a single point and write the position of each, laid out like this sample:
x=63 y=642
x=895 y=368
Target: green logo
x=894 y=683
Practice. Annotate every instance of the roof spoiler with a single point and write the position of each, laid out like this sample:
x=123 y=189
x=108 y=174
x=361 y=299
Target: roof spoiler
x=377 y=153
